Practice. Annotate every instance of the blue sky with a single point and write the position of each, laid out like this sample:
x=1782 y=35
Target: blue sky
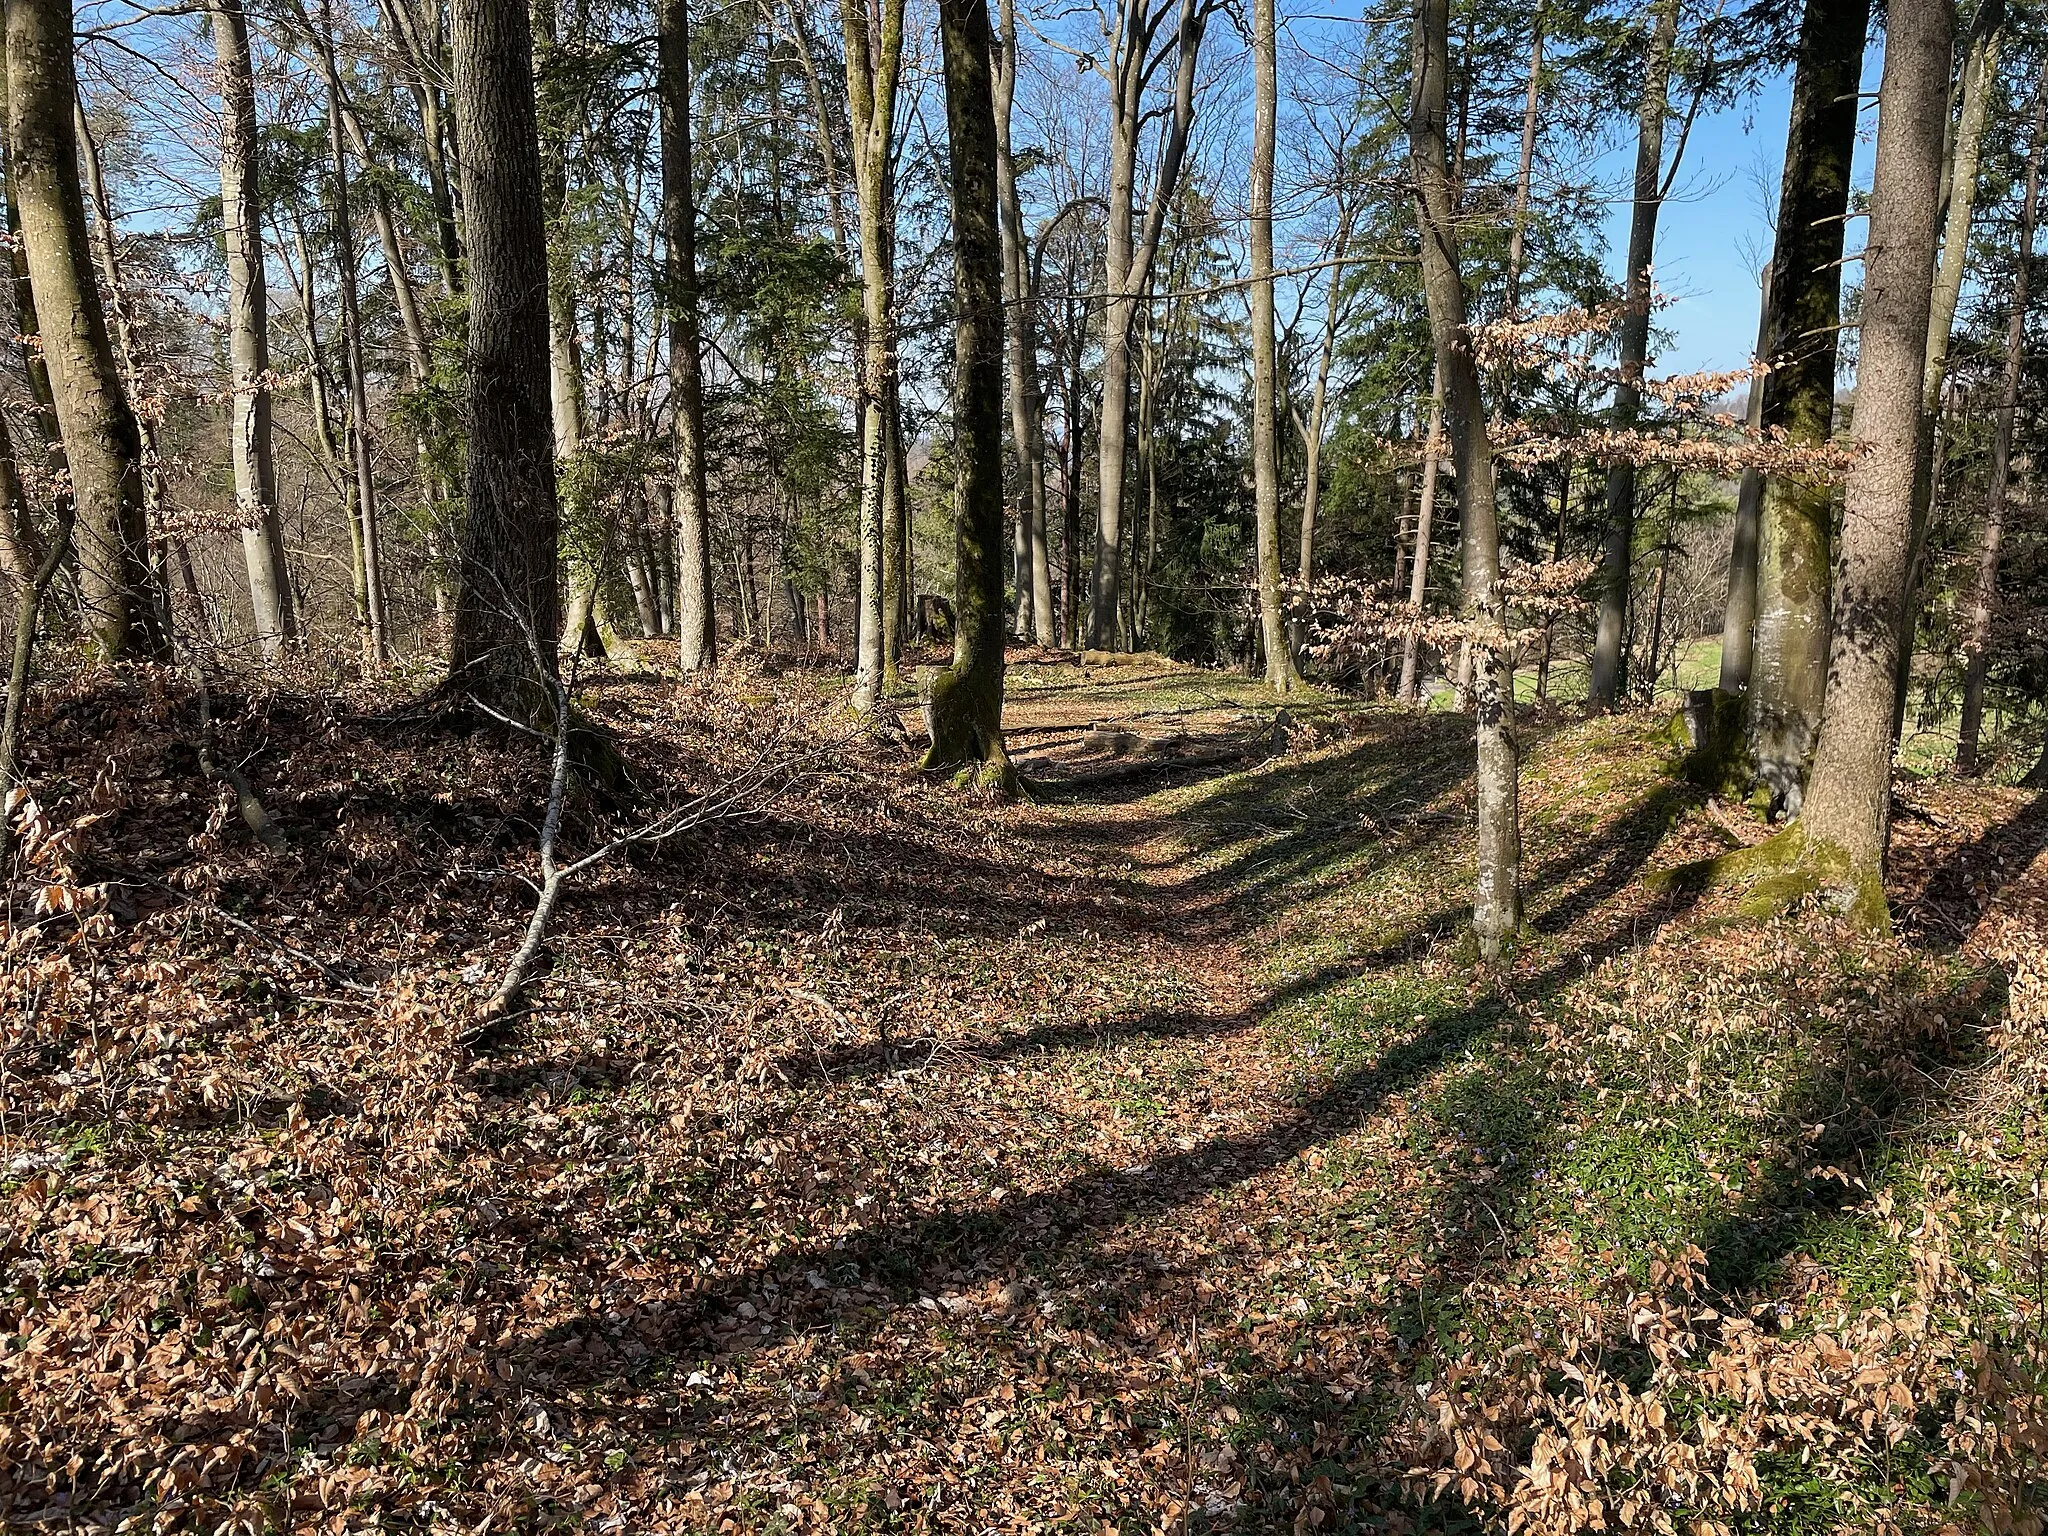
x=1715 y=230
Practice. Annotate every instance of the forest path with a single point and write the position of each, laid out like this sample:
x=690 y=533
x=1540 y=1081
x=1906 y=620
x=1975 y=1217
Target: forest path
x=891 y=1159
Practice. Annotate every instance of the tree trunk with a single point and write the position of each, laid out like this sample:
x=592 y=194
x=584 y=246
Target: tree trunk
x=1959 y=201
x=1970 y=760
x=873 y=63
x=1418 y=577
x=376 y=636
x=1789 y=668
x=1127 y=265
x=507 y=613
x=1034 y=573
x=966 y=708
x=1497 y=905
x=1280 y=673
x=248 y=332
x=696 y=618
x=1738 y=618
x=1610 y=658
x=1848 y=803
x=102 y=440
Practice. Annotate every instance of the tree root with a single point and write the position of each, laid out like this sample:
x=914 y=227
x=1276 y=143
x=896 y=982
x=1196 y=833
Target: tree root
x=1786 y=871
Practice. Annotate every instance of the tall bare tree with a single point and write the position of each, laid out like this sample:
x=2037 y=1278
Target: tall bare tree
x=507 y=612
x=966 y=708
x=241 y=209
x=1609 y=659
x=102 y=442
x=1280 y=672
x=874 y=63
x=696 y=618
x=1497 y=901
x=1983 y=599
x=1847 y=808
x=1789 y=670
x=1139 y=47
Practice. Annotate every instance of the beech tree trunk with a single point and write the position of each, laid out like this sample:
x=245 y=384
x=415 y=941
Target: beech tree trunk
x=1789 y=668
x=1127 y=266
x=966 y=708
x=1959 y=202
x=1027 y=405
x=1983 y=600
x=376 y=635
x=1610 y=655
x=507 y=613
x=1280 y=673
x=1497 y=904
x=696 y=618
x=874 y=60
x=102 y=441
x=1848 y=802
x=241 y=211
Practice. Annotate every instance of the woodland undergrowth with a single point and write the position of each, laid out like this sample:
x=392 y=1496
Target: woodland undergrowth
x=1152 y=1155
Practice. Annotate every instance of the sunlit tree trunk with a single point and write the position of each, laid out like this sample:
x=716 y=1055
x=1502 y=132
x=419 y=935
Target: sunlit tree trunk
x=1280 y=673
x=1609 y=660
x=376 y=635
x=1789 y=670
x=1983 y=600
x=1027 y=407
x=1497 y=902
x=1127 y=264
x=1959 y=201
x=507 y=612
x=241 y=211
x=874 y=59
x=696 y=618
x=102 y=441
x=1848 y=801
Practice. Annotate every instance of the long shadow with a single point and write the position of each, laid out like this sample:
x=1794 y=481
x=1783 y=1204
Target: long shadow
x=1955 y=894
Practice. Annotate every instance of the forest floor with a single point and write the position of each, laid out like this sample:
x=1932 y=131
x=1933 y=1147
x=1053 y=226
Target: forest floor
x=1151 y=1155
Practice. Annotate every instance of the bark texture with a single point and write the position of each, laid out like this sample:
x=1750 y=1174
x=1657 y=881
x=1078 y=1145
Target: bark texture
x=507 y=613
x=1789 y=670
x=1848 y=801
x=1497 y=902
x=874 y=61
x=241 y=218
x=965 y=712
x=696 y=618
x=103 y=444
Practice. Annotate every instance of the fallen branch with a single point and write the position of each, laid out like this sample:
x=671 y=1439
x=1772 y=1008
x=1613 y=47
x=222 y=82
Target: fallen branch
x=748 y=792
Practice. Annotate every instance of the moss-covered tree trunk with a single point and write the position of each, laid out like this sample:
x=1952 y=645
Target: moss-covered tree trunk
x=1789 y=670
x=1848 y=801
x=1610 y=655
x=966 y=707
x=1497 y=901
x=507 y=613
x=102 y=442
